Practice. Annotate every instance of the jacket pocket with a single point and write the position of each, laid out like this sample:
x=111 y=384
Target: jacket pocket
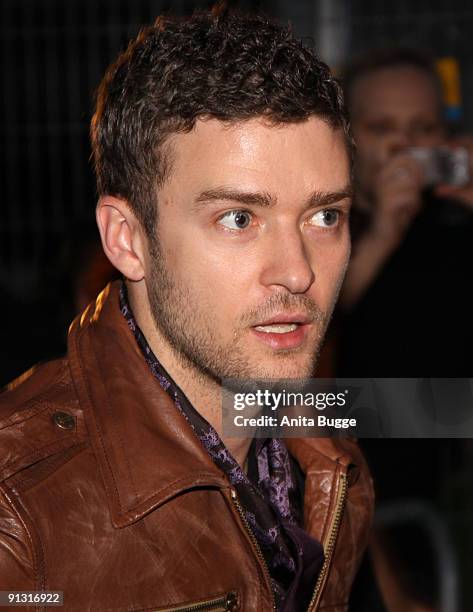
x=225 y=603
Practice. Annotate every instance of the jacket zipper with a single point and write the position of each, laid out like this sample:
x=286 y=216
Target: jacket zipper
x=254 y=541
x=330 y=540
x=226 y=603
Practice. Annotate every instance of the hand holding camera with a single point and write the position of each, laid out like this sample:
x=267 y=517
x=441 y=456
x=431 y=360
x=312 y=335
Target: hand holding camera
x=397 y=192
x=448 y=170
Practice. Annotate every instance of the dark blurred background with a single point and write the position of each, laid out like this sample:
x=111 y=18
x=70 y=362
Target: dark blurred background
x=53 y=55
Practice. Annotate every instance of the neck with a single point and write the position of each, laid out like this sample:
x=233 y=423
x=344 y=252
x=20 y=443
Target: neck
x=204 y=393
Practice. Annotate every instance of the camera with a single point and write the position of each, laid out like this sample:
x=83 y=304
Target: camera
x=442 y=165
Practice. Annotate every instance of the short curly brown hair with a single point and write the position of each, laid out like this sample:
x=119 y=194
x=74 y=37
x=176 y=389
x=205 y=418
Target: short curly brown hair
x=220 y=64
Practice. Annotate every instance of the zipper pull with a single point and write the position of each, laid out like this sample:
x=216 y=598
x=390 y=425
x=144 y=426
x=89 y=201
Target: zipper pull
x=231 y=603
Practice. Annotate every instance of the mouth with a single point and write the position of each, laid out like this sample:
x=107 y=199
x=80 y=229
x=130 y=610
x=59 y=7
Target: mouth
x=284 y=331
x=277 y=328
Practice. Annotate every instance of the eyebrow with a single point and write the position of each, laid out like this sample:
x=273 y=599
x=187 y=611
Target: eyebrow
x=264 y=199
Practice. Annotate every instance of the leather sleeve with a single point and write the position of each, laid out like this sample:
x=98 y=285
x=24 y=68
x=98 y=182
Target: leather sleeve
x=17 y=567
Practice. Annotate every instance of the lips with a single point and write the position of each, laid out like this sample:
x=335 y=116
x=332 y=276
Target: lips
x=283 y=331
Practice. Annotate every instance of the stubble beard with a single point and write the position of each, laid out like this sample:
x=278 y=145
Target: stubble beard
x=178 y=315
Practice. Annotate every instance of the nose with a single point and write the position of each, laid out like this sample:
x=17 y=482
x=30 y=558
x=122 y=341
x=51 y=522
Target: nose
x=287 y=263
x=400 y=141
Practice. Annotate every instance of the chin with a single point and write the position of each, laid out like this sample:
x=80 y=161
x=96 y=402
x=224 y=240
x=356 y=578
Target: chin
x=285 y=371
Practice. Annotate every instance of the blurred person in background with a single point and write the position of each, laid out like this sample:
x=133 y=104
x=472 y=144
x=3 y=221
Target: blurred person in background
x=406 y=307
x=406 y=300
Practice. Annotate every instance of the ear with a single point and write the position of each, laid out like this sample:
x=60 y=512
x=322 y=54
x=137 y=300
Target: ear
x=122 y=237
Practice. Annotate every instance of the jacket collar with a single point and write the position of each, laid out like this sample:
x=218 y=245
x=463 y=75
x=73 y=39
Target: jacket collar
x=146 y=450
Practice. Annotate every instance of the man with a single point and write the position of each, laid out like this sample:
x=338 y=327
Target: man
x=222 y=157
x=405 y=286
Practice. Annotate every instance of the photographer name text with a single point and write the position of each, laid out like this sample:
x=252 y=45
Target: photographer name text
x=299 y=421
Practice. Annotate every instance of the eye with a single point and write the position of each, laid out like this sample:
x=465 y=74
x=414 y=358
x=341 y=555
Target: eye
x=235 y=219
x=326 y=218
x=425 y=129
x=380 y=128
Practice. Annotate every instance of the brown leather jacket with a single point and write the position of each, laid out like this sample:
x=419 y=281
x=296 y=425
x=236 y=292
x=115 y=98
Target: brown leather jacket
x=106 y=494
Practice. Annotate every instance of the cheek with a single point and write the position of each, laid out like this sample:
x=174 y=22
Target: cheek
x=340 y=265
x=341 y=253
x=365 y=163
x=434 y=140
x=330 y=267
x=376 y=152
x=369 y=147
x=218 y=280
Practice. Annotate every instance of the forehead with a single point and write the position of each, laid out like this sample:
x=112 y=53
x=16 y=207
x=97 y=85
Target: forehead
x=285 y=157
x=396 y=90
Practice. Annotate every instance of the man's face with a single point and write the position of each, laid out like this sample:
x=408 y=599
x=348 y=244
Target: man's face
x=252 y=243
x=392 y=109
